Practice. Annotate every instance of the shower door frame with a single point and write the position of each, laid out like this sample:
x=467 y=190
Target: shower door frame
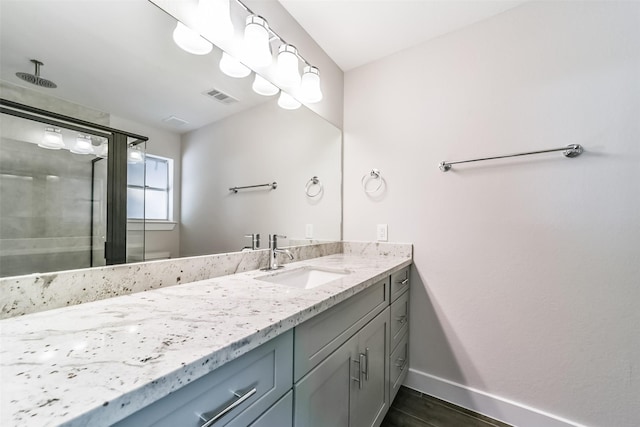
x=116 y=238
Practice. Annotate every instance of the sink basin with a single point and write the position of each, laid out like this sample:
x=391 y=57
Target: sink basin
x=305 y=277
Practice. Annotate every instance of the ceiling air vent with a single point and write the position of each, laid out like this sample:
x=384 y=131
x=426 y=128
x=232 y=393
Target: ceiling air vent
x=221 y=96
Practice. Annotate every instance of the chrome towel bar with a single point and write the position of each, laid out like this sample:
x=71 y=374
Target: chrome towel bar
x=573 y=150
x=273 y=186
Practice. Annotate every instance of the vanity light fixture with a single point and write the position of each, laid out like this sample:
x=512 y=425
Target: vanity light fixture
x=310 y=87
x=232 y=67
x=264 y=87
x=83 y=145
x=134 y=155
x=288 y=102
x=287 y=70
x=52 y=139
x=190 y=41
x=103 y=150
x=257 y=50
x=214 y=19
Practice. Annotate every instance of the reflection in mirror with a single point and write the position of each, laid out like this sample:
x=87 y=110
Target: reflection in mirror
x=116 y=64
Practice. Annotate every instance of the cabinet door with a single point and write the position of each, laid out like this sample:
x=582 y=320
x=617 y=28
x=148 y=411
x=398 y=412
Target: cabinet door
x=372 y=399
x=324 y=396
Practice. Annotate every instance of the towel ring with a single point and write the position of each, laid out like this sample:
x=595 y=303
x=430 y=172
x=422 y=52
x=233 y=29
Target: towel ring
x=374 y=174
x=313 y=181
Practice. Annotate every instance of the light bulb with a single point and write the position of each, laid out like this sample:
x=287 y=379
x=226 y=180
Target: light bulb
x=52 y=139
x=310 y=86
x=103 y=150
x=83 y=145
x=214 y=19
x=287 y=72
x=232 y=67
x=288 y=102
x=257 y=50
x=190 y=41
x=134 y=155
x=264 y=87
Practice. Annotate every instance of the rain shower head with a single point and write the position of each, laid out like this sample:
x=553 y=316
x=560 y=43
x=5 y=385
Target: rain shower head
x=35 y=78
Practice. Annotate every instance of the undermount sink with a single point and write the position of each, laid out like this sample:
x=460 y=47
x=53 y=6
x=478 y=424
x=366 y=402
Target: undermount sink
x=305 y=277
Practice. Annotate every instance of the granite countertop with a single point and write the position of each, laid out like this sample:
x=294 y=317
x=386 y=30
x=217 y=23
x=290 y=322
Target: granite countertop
x=96 y=363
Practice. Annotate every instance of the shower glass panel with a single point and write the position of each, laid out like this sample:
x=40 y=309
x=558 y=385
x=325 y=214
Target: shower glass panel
x=136 y=196
x=52 y=201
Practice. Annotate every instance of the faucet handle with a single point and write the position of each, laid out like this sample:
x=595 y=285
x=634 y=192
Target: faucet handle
x=255 y=240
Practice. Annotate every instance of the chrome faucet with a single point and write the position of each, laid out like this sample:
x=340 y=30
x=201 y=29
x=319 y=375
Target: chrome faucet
x=274 y=250
x=255 y=241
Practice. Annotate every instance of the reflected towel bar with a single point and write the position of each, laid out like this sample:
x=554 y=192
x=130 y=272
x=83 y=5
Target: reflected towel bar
x=273 y=186
x=573 y=150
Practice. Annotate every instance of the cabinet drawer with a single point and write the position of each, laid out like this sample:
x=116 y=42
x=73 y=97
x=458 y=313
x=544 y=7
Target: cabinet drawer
x=399 y=319
x=279 y=415
x=318 y=337
x=399 y=283
x=257 y=380
x=398 y=366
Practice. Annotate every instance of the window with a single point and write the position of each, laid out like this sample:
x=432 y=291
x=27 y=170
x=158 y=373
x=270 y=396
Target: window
x=149 y=189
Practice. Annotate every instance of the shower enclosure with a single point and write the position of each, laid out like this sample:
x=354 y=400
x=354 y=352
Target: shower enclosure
x=63 y=192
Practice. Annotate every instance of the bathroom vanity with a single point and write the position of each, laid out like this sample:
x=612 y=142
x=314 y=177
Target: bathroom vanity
x=237 y=350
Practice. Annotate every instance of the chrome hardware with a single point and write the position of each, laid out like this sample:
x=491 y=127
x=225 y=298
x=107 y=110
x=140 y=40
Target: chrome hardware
x=274 y=250
x=359 y=379
x=405 y=281
x=313 y=181
x=241 y=399
x=402 y=319
x=400 y=361
x=573 y=150
x=366 y=359
x=375 y=174
x=272 y=185
x=255 y=241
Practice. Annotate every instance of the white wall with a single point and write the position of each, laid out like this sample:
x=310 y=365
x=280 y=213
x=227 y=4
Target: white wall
x=258 y=146
x=527 y=271
x=164 y=144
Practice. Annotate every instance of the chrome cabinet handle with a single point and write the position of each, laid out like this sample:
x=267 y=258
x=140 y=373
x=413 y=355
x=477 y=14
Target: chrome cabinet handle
x=402 y=319
x=241 y=399
x=366 y=360
x=405 y=281
x=359 y=379
x=401 y=363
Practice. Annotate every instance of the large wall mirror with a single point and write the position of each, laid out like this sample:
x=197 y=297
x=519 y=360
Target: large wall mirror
x=116 y=64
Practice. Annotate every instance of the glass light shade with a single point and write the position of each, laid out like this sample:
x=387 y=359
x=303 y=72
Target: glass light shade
x=257 y=50
x=288 y=102
x=310 y=86
x=52 y=139
x=232 y=67
x=214 y=19
x=134 y=155
x=287 y=71
x=83 y=145
x=264 y=87
x=190 y=41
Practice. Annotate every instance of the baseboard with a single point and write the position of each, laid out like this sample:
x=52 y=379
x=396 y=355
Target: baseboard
x=496 y=407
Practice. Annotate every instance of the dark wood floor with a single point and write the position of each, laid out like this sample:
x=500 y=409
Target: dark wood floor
x=414 y=409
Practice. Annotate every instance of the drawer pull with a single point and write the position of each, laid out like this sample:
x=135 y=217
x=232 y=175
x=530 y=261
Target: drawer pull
x=362 y=361
x=366 y=359
x=405 y=281
x=239 y=401
x=401 y=363
x=402 y=319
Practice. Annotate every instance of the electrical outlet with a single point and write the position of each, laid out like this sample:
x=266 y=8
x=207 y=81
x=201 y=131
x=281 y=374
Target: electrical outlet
x=308 y=231
x=382 y=232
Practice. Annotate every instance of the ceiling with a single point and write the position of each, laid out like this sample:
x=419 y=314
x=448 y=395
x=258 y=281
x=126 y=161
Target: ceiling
x=356 y=32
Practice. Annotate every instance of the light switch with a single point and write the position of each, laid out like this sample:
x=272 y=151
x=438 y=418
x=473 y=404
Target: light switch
x=308 y=231
x=382 y=233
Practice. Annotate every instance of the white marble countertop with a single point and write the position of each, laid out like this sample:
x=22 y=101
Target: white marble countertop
x=96 y=363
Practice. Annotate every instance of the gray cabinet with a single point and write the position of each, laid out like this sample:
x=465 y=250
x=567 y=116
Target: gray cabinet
x=399 y=357
x=349 y=388
x=279 y=415
x=235 y=394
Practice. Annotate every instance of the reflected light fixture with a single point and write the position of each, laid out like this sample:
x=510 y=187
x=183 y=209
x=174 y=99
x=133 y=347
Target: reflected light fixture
x=232 y=67
x=83 y=145
x=190 y=41
x=264 y=87
x=310 y=86
x=103 y=150
x=52 y=139
x=214 y=19
x=257 y=50
x=134 y=155
x=287 y=70
x=288 y=102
